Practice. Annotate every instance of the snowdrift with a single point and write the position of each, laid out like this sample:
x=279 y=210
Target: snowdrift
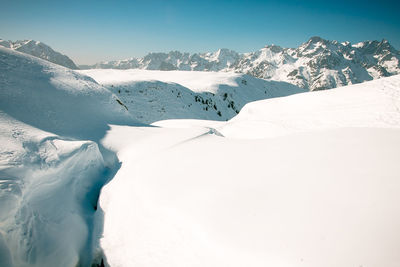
x=312 y=190
x=51 y=168
x=49 y=189
x=371 y=104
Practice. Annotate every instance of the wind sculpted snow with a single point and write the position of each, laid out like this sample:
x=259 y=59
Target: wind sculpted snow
x=56 y=99
x=370 y=104
x=48 y=193
x=182 y=198
x=303 y=196
x=307 y=179
x=51 y=166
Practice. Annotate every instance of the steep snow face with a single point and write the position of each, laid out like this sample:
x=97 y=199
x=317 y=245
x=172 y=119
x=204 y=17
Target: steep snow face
x=49 y=184
x=48 y=196
x=40 y=50
x=371 y=104
x=56 y=99
x=158 y=95
x=292 y=181
x=315 y=65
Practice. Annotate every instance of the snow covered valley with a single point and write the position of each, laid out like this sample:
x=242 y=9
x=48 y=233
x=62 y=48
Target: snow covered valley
x=298 y=179
x=159 y=95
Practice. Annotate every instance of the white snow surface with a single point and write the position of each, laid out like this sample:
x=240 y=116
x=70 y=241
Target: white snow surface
x=47 y=196
x=309 y=179
x=159 y=95
x=318 y=187
x=197 y=81
x=40 y=50
x=371 y=104
x=51 y=167
x=56 y=99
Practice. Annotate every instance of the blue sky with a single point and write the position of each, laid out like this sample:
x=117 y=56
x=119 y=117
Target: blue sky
x=91 y=31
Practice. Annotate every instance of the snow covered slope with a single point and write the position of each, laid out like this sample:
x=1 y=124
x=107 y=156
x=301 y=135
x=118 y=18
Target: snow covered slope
x=56 y=99
x=40 y=50
x=318 y=188
x=316 y=64
x=309 y=180
x=158 y=95
x=371 y=104
x=48 y=195
x=51 y=168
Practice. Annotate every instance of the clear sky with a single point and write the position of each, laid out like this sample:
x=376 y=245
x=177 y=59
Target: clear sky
x=91 y=31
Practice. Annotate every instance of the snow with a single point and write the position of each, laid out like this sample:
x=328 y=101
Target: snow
x=40 y=50
x=51 y=166
x=359 y=45
x=319 y=191
x=306 y=179
x=159 y=95
x=212 y=201
x=392 y=65
x=371 y=104
x=56 y=99
x=315 y=65
x=47 y=196
x=196 y=81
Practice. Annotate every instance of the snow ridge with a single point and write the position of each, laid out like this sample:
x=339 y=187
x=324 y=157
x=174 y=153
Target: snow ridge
x=51 y=164
x=40 y=50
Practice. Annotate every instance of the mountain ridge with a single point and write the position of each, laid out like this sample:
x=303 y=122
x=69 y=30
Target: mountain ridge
x=314 y=65
x=40 y=50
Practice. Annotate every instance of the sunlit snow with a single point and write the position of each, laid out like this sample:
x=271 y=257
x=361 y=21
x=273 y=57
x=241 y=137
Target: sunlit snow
x=295 y=179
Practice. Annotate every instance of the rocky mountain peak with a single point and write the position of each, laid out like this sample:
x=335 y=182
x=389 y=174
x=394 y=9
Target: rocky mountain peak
x=40 y=50
x=316 y=64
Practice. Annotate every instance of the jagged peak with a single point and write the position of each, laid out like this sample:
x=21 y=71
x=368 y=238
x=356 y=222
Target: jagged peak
x=375 y=46
x=316 y=39
x=274 y=48
x=175 y=52
x=225 y=51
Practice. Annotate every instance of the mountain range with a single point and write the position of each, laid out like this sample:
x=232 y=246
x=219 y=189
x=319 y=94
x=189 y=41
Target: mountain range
x=298 y=179
x=315 y=65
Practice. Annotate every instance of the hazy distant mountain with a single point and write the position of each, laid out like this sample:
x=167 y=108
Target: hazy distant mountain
x=314 y=65
x=40 y=50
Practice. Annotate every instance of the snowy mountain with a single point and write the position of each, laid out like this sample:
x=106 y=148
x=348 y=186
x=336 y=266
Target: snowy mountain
x=51 y=164
x=298 y=180
x=159 y=95
x=315 y=65
x=40 y=50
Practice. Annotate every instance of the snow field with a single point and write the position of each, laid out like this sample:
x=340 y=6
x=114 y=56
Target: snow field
x=303 y=180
